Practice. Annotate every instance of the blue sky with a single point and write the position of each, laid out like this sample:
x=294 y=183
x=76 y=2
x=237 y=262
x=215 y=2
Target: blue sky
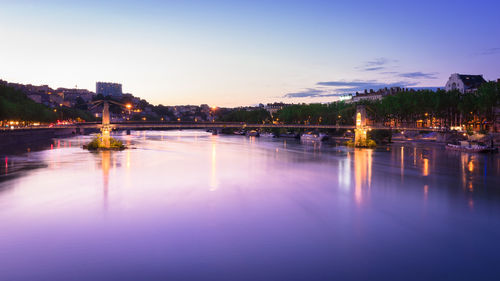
x=231 y=53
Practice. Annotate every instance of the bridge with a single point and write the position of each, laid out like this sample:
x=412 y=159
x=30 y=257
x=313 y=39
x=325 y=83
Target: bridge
x=136 y=125
x=145 y=125
x=360 y=128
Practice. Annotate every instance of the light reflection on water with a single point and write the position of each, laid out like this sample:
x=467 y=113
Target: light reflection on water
x=186 y=205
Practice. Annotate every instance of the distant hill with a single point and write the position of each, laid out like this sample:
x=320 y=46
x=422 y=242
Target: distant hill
x=15 y=105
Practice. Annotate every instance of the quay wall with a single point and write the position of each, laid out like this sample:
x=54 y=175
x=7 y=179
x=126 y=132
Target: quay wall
x=14 y=139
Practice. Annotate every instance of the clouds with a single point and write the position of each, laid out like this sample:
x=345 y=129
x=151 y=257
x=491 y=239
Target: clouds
x=344 y=88
x=376 y=64
x=315 y=93
x=491 y=51
x=305 y=93
x=382 y=63
x=384 y=68
x=374 y=68
x=357 y=85
x=418 y=75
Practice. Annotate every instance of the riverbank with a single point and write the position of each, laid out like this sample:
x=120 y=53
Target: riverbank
x=22 y=140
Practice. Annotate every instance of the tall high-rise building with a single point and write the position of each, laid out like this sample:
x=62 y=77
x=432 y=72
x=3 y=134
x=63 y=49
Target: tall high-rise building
x=109 y=89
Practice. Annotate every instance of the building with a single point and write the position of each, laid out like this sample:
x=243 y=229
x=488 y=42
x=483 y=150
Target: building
x=109 y=89
x=373 y=96
x=71 y=95
x=464 y=83
x=272 y=108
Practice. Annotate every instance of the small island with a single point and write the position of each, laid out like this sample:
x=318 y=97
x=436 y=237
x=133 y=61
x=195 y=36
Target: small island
x=104 y=141
x=98 y=144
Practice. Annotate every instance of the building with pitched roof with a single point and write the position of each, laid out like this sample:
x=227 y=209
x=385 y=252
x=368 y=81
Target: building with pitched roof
x=464 y=83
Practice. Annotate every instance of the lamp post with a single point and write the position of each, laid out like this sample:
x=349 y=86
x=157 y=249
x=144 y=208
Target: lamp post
x=128 y=106
x=212 y=112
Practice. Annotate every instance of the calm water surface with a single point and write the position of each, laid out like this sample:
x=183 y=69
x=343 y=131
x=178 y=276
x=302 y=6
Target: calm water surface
x=186 y=205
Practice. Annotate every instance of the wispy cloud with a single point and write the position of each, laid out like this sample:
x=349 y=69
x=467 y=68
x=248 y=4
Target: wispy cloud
x=374 y=68
x=418 y=75
x=376 y=64
x=305 y=93
x=491 y=51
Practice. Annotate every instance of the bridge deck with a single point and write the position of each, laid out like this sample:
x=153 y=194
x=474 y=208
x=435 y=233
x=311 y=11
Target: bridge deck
x=212 y=125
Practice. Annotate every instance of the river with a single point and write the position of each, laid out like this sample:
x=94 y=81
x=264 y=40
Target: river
x=186 y=205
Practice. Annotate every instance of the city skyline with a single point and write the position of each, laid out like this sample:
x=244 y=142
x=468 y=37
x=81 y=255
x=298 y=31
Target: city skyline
x=231 y=54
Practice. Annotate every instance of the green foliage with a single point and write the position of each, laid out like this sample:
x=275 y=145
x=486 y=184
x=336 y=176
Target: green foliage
x=94 y=144
x=116 y=144
x=278 y=131
x=380 y=136
x=164 y=111
x=65 y=113
x=403 y=107
x=252 y=116
x=367 y=143
x=333 y=113
x=15 y=105
x=97 y=144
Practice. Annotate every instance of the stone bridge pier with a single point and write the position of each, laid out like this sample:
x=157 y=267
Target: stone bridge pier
x=360 y=131
x=106 y=127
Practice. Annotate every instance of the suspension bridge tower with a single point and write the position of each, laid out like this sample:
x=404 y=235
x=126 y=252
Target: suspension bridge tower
x=360 y=131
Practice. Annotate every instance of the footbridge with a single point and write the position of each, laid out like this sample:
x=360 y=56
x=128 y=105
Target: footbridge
x=145 y=125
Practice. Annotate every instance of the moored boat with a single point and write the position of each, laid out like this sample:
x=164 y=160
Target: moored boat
x=289 y=136
x=313 y=136
x=253 y=133
x=470 y=146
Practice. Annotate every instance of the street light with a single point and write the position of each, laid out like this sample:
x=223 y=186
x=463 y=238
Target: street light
x=212 y=112
x=128 y=106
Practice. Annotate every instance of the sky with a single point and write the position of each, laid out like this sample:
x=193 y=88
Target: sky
x=232 y=53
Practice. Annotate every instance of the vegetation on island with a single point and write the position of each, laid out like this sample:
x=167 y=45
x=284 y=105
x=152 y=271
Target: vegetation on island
x=97 y=144
x=365 y=143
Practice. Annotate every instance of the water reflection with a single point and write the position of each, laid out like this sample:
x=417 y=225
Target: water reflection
x=213 y=167
x=362 y=172
x=402 y=169
x=425 y=167
x=467 y=170
x=298 y=208
x=105 y=165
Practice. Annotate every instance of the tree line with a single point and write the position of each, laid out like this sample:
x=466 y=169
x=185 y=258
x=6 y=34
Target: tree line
x=451 y=108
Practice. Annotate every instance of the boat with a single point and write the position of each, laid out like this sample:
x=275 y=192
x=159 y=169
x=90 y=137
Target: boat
x=313 y=136
x=253 y=133
x=268 y=135
x=471 y=146
x=289 y=136
x=240 y=132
